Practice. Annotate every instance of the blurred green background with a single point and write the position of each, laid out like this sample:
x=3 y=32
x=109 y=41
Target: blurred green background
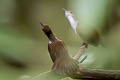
x=23 y=45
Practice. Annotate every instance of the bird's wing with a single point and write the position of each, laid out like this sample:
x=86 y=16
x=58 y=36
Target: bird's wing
x=51 y=50
x=71 y=18
x=60 y=49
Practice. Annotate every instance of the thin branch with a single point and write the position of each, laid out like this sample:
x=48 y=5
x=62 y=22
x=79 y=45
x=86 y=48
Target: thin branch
x=97 y=74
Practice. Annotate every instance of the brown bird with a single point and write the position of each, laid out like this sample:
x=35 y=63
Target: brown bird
x=59 y=53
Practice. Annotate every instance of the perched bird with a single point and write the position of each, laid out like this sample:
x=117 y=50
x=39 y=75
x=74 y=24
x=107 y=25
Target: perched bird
x=59 y=53
x=89 y=38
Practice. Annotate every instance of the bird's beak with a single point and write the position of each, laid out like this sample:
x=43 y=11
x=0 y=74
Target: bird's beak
x=41 y=24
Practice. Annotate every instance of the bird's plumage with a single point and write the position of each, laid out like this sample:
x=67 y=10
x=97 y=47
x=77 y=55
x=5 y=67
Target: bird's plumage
x=93 y=38
x=59 y=54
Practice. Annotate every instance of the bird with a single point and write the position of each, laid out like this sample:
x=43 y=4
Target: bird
x=59 y=54
x=93 y=38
